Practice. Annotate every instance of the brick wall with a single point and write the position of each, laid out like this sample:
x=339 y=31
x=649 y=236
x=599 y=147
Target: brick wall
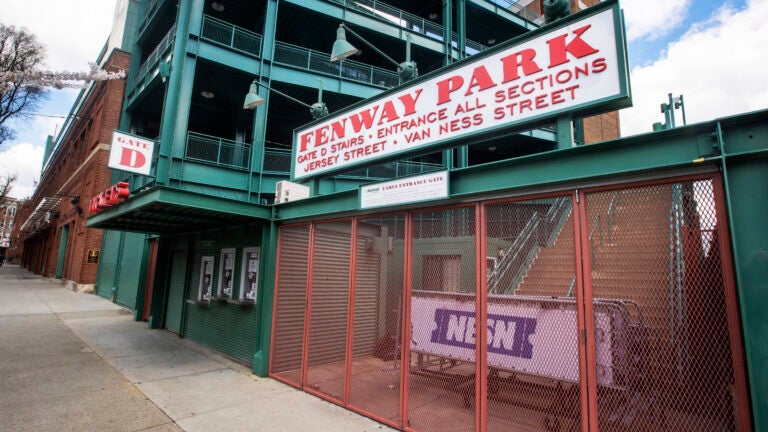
x=78 y=168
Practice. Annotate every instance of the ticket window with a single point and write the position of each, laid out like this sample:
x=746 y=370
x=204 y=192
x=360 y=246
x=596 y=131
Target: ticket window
x=206 y=278
x=250 y=274
x=226 y=273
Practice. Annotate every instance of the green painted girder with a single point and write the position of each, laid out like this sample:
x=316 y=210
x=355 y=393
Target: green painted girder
x=308 y=78
x=304 y=77
x=218 y=54
x=692 y=148
x=212 y=176
x=625 y=157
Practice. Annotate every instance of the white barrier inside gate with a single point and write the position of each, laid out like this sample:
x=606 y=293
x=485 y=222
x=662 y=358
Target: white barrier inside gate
x=531 y=335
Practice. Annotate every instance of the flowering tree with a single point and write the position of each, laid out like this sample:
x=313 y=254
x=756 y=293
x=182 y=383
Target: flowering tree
x=23 y=81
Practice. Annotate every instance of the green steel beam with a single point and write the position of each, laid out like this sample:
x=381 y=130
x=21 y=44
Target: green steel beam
x=172 y=99
x=308 y=78
x=233 y=59
x=690 y=148
x=745 y=174
x=448 y=51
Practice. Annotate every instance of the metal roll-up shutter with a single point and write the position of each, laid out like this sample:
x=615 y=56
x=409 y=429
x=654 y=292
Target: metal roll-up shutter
x=366 y=297
x=330 y=294
x=290 y=300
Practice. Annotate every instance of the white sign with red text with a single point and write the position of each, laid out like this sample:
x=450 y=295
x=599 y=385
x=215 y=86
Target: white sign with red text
x=575 y=67
x=131 y=153
x=425 y=187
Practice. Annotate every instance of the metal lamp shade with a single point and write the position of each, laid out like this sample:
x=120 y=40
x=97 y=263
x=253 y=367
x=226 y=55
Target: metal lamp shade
x=252 y=99
x=341 y=48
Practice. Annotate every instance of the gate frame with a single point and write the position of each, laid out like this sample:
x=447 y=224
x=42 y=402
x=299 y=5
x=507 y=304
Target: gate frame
x=695 y=151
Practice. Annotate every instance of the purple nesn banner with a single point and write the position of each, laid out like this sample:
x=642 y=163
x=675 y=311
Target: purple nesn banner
x=522 y=337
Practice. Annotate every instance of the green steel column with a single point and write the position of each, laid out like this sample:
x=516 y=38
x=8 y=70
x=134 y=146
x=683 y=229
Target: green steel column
x=746 y=188
x=180 y=120
x=259 y=132
x=447 y=32
x=462 y=152
x=461 y=27
x=171 y=102
x=564 y=132
x=265 y=304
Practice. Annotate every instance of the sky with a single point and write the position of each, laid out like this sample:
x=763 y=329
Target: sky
x=711 y=52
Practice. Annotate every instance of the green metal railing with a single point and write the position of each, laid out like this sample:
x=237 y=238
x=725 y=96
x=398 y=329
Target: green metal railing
x=277 y=161
x=165 y=45
x=229 y=35
x=149 y=14
x=248 y=42
x=292 y=55
x=218 y=151
x=392 y=170
x=602 y=227
x=539 y=231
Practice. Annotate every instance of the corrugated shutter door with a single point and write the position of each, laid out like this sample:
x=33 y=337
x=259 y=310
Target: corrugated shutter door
x=366 y=298
x=176 y=292
x=330 y=289
x=290 y=300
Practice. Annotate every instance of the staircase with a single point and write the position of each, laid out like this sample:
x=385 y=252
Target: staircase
x=539 y=233
x=552 y=272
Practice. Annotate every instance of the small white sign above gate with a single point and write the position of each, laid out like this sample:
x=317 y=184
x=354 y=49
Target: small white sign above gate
x=407 y=190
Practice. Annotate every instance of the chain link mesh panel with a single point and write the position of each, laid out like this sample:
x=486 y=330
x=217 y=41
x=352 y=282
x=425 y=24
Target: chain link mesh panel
x=375 y=378
x=442 y=374
x=656 y=258
x=533 y=360
x=290 y=302
x=329 y=301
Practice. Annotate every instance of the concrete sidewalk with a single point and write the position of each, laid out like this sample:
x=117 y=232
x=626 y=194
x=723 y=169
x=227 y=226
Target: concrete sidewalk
x=77 y=362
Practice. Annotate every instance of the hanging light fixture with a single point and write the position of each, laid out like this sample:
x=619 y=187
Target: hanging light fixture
x=252 y=99
x=342 y=49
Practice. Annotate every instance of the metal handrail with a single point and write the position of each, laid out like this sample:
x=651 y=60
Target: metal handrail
x=316 y=61
x=230 y=35
x=221 y=152
x=597 y=222
x=513 y=253
x=153 y=58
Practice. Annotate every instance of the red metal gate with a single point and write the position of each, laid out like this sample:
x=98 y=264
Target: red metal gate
x=604 y=309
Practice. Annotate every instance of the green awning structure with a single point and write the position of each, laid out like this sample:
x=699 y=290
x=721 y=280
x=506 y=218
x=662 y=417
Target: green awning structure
x=171 y=211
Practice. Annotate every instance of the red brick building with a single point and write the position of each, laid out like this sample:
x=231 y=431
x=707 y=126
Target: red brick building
x=57 y=242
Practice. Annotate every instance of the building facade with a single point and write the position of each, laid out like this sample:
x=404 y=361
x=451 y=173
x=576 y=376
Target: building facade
x=57 y=242
x=206 y=206
x=8 y=210
x=617 y=279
